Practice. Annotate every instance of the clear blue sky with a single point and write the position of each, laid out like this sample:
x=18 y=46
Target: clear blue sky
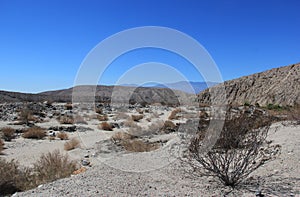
x=43 y=42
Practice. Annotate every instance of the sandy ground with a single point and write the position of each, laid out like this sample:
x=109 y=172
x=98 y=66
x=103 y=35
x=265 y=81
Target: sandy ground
x=156 y=173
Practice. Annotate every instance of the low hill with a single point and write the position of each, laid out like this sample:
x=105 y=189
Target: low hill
x=278 y=86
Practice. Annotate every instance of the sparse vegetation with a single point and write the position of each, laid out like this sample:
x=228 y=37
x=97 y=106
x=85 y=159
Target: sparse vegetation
x=8 y=133
x=63 y=136
x=105 y=126
x=240 y=150
x=119 y=136
x=121 y=116
x=174 y=113
x=49 y=167
x=53 y=166
x=26 y=115
x=137 y=145
x=68 y=106
x=66 y=119
x=137 y=118
x=71 y=144
x=34 y=133
x=79 y=120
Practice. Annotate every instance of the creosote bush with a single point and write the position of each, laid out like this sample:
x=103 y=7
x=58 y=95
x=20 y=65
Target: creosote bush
x=34 y=133
x=71 y=144
x=8 y=133
x=240 y=149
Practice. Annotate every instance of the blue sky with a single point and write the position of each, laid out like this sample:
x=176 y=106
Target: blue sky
x=43 y=42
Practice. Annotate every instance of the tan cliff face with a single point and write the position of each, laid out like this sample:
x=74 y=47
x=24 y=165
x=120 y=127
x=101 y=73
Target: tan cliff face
x=279 y=86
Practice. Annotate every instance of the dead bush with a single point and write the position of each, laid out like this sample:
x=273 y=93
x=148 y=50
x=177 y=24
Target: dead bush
x=8 y=133
x=119 y=136
x=71 y=144
x=99 y=110
x=137 y=145
x=168 y=127
x=173 y=115
x=105 y=126
x=63 y=136
x=102 y=117
x=34 y=133
x=68 y=106
x=66 y=120
x=53 y=166
x=137 y=118
x=240 y=149
x=25 y=116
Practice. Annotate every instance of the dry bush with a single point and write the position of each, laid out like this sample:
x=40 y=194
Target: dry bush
x=53 y=166
x=136 y=145
x=294 y=114
x=1 y=146
x=34 y=133
x=139 y=110
x=66 y=120
x=71 y=144
x=130 y=123
x=105 y=126
x=137 y=118
x=155 y=127
x=25 y=116
x=99 y=110
x=168 y=127
x=63 y=136
x=68 y=106
x=119 y=136
x=174 y=113
x=240 y=149
x=8 y=133
x=102 y=117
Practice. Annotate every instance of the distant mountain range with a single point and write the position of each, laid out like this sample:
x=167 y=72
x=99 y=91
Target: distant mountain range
x=184 y=86
x=276 y=86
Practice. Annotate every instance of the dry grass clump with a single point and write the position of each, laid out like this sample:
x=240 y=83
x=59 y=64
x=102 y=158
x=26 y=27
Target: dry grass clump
x=102 y=117
x=53 y=166
x=105 y=126
x=1 y=146
x=8 y=133
x=174 y=113
x=63 y=136
x=137 y=145
x=34 y=133
x=137 y=118
x=66 y=119
x=71 y=144
x=119 y=136
x=49 y=167
x=68 y=106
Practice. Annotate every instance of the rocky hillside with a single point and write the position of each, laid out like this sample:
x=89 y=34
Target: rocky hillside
x=280 y=86
x=103 y=94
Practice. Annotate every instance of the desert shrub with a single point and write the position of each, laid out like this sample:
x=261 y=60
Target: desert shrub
x=25 y=116
x=136 y=145
x=240 y=150
x=105 y=126
x=1 y=146
x=99 y=110
x=53 y=166
x=8 y=133
x=68 y=106
x=102 y=117
x=137 y=118
x=71 y=144
x=294 y=114
x=63 y=136
x=119 y=136
x=155 y=127
x=130 y=123
x=174 y=113
x=66 y=119
x=271 y=106
x=34 y=133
